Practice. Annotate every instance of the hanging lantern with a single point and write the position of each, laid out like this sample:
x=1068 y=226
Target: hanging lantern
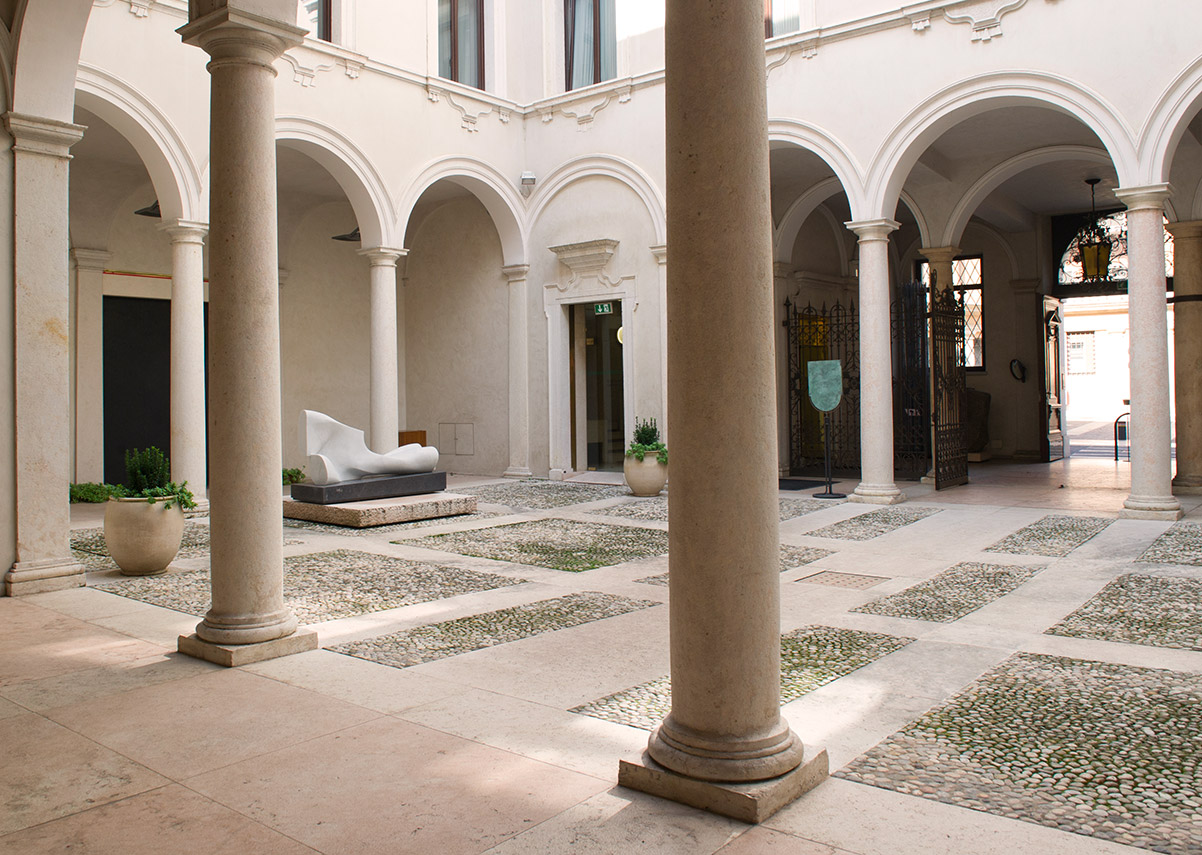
x=1093 y=242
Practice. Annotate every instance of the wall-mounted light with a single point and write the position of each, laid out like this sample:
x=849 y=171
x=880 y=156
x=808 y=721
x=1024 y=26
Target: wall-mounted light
x=528 y=182
x=151 y=210
x=349 y=237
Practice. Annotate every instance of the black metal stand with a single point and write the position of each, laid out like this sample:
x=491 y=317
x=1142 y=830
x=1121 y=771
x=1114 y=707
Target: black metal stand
x=826 y=441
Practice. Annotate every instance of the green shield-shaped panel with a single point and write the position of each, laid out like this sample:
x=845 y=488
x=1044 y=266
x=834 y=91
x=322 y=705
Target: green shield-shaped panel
x=826 y=384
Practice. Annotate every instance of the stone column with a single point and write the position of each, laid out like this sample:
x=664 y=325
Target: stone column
x=519 y=372
x=661 y=260
x=89 y=363
x=385 y=404
x=724 y=747
x=1151 y=467
x=42 y=347
x=876 y=367
x=940 y=259
x=188 y=356
x=249 y=620
x=1187 y=353
x=783 y=289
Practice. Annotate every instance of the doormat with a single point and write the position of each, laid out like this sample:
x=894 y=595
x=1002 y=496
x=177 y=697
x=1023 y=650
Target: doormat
x=799 y=484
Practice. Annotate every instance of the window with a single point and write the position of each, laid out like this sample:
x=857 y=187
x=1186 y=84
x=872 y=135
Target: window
x=590 y=41
x=967 y=280
x=317 y=15
x=461 y=41
x=1080 y=352
x=781 y=17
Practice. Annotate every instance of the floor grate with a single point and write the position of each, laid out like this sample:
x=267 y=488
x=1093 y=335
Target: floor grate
x=857 y=581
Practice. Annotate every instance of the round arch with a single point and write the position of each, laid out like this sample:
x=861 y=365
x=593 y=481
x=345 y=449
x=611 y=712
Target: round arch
x=173 y=172
x=49 y=38
x=791 y=223
x=925 y=124
x=352 y=170
x=833 y=154
x=484 y=182
x=605 y=166
x=1174 y=111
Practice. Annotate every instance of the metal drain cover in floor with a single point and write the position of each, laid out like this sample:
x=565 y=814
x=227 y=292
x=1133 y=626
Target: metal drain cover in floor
x=843 y=580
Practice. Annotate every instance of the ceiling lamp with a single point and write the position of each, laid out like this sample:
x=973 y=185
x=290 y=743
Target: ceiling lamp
x=1093 y=242
x=150 y=210
x=349 y=237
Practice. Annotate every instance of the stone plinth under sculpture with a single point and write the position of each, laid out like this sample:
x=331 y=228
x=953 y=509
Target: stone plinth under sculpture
x=356 y=487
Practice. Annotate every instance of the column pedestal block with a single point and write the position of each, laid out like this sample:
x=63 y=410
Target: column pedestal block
x=751 y=802
x=233 y=655
x=1150 y=513
x=1187 y=485
x=40 y=577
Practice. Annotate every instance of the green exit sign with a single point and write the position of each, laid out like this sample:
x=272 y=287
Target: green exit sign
x=603 y=308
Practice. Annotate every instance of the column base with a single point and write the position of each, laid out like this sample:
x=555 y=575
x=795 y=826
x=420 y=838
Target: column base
x=233 y=655
x=1187 y=485
x=873 y=495
x=517 y=472
x=39 y=577
x=201 y=509
x=751 y=802
x=558 y=474
x=1155 y=508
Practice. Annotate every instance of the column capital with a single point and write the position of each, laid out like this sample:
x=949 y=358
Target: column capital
x=660 y=251
x=1148 y=197
x=90 y=259
x=42 y=136
x=873 y=229
x=1185 y=229
x=186 y=231
x=237 y=36
x=516 y=272
x=383 y=256
x=937 y=254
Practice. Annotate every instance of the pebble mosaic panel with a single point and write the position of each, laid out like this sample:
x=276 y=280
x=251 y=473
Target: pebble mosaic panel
x=656 y=509
x=1160 y=611
x=1093 y=748
x=554 y=543
x=541 y=495
x=874 y=523
x=323 y=586
x=952 y=594
x=790 y=557
x=1181 y=544
x=1055 y=535
x=810 y=657
x=451 y=638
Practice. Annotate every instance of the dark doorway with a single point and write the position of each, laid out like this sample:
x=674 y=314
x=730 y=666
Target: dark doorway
x=597 y=385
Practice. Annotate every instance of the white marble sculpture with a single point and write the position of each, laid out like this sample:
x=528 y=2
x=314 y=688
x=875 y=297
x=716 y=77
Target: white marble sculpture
x=338 y=452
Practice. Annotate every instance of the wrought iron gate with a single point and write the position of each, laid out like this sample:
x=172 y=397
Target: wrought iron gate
x=949 y=387
x=911 y=383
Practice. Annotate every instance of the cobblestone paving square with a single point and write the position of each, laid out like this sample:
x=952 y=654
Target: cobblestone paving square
x=323 y=585
x=810 y=657
x=873 y=524
x=790 y=557
x=392 y=528
x=89 y=548
x=1055 y=535
x=952 y=594
x=1160 y=611
x=1093 y=748
x=656 y=509
x=541 y=495
x=1181 y=544
x=463 y=635
x=554 y=543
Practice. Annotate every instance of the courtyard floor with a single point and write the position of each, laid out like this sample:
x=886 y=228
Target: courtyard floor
x=1004 y=667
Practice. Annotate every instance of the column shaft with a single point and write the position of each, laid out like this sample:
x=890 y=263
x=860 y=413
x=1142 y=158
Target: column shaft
x=1151 y=468
x=519 y=372
x=876 y=367
x=385 y=414
x=188 y=356
x=1187 y=354
x=42 y=355
x=89 y=363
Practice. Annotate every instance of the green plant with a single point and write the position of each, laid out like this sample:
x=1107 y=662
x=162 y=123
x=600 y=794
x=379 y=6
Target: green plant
x=146 y=469
x=294 y=476
x=647 y=441
x=90 y=492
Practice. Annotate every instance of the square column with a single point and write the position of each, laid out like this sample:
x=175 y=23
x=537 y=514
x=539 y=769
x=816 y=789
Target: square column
x=1187 y=354
x=42 y=355
x=89 y=363
x=1151 y=467
x=384 y=422
x=519 y=371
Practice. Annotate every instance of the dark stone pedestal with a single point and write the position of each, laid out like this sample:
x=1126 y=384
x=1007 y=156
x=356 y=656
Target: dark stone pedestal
x=366 y=489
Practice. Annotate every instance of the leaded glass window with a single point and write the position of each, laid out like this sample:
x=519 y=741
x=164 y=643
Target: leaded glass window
x=967 y=279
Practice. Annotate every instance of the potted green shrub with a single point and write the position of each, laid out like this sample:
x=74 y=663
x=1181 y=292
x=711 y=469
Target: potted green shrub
x=144 y=520
x=646 y=464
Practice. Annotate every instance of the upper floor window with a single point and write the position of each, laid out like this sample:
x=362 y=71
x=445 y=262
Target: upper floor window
x=318 y=16
x=781 y=17
x=590 y=41
x=461 y=41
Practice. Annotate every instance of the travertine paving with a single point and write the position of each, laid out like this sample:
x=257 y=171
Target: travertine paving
x=790 y=557
x=810 y=657
x=541 y=495
x=953 y=593
x=451 y=638
x=1181 y=544
x=324 y=586
x=874 y=523
x=1054 y=535
x=554 y=543
x=1089 y=747
x=1161 y=611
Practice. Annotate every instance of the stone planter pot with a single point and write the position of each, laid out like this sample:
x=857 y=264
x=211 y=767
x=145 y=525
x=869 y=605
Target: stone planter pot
x=646 y=477
x=142 y=537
